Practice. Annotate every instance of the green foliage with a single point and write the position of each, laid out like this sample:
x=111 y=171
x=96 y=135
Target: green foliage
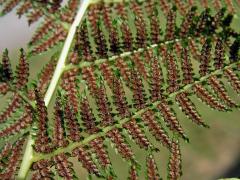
x=118 y=75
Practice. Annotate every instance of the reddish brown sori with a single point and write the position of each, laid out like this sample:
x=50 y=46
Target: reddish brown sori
x=170 y=119
x=221 y=92
x=11 y=108
x=171 y=23
x=120 y=98
x=186 y=68
x=6 y=66
x=120 y=143
x=174 y=166
x=63 y=166
x=69 y=84
x=86 y=160
x=173 y=74
x=87 y=117
x=138 y=90
x=156 y=80
x=103 y=107
x=22 y=71
x=13 y=160
x=152 y=171
x=59 y=134
x=42 y=170
x=137 y=134
x=133 y=175
x=100 y=150
x=219 y=54
x=233 y=79
x=138 y=62
x=42 y=142
x=189 y=108
x=208 y=98
x=72 y=123
x=155 y=128
x=23 y=122
x=90 y=78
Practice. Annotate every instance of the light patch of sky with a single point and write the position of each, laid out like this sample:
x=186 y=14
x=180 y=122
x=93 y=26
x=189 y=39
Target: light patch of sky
x=14 y=32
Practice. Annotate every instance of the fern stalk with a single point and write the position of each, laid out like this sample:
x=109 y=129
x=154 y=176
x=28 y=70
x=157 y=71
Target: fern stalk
x=28 y=155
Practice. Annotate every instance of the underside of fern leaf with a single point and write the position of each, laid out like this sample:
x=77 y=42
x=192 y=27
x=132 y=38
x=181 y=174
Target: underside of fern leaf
x=127 y=65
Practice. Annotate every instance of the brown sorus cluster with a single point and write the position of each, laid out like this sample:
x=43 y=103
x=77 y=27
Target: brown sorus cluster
x=42 y=143
x=12 y=107
x=9 y=6
x=63 y=166
x=72 y=123
x=42 y=170
x=182 y=7
x=69 y=84
x=138 y=90
x=155 y=128
x=6 y=65
x=120 y=143
x=174 y=166
x=156 y=80
x=173 y=74
x=141 y=36
x=139 y=64
x=89 y=76
x=186 y=67
x=165 y=6
x=85 y=158
x=127 y=36
x=170 y=119
x=48 y=25
x=124 y=69
x=46 y=76
x=121 y=10
x=104 y=108
x=87 y=117
x=137 y=134
x=24 y=8
x=16 y=127
x=13 y=160
x=107 y=73
x=187 y=23
x=221 y=92
x=22 y=71
x=206 y=97
x=100 y=41
x=5 y=151
x=152 y=170
x=219 y=54
x=171 y=23
x=205 y=58
x=56 y=37
x=59 y=136
x=4 y=88
x=233 y=78
x=34 y=15
x=155 y=29
x=133 y=175
x=189 y=108
x=230 y=6
x=194 y=49
x=120 y=98
x=217 y=4
x=100 y=150
x=201 y=24
x=217 y=19
x=82 y=42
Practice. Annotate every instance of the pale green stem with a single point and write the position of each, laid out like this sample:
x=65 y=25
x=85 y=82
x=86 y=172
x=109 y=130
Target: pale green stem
x=28 y=154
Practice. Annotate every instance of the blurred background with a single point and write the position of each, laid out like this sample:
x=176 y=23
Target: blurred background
x=211 y=154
